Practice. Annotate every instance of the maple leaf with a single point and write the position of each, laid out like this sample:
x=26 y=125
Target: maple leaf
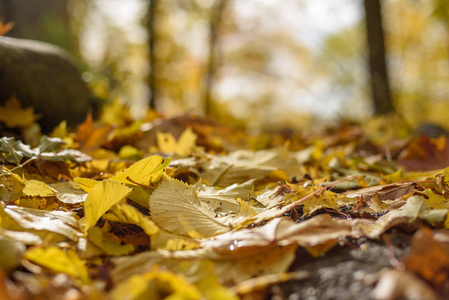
x=184 y=146
x=13 y=115
x=5 y=27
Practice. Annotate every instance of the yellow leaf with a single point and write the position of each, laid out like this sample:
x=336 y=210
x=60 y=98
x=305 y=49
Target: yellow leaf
x=155 y=283
x=59 y=261
x=11 y=253
x=129 y=152
x=61 y=224
x=101 y=198
x=435 y=201
x=11 y=186
x=15 y=116
x=183 y=147
x=125 y=213
x=136 y=287
x=85 y=183
x=37 y=188
x=97 y=238
x=144 y=172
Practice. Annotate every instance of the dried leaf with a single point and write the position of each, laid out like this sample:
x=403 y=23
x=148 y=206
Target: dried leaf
x=11 y=253
x=37 y=188
x=144 y=172
x=429 y=259
x=59 y=261
x=415 y=208
x=125 y=213
x=101 y=198
x=184 y=146
x=39 y=222
x=14 y=115
x=175 y=207
x=110 y=247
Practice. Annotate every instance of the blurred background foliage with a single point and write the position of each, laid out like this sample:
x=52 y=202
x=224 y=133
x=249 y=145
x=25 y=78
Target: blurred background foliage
x=257 y=64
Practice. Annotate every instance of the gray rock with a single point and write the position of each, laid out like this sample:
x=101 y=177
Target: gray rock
x=43 y=76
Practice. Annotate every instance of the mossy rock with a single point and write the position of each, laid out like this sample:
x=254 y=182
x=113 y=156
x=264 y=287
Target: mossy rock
x=43 y=76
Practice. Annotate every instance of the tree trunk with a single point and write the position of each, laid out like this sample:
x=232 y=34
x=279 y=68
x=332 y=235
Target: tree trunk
x=380 y=86
x=152 y=57
x=214 y=25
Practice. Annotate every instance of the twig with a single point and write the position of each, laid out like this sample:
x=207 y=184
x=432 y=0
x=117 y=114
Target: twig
x=7 y=172
x=391 y=256
x=321 y=189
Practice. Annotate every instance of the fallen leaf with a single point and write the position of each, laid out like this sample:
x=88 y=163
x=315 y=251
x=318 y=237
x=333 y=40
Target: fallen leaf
x=183 y=147
x=13 y=115
x=11 y=253
x=144 y=172
x=393 y=284
x=415 y=208
x=101 y=198
x=59 y=261
x=125 y=213
x=429 y=259
x=175 y=207
x=40 y=222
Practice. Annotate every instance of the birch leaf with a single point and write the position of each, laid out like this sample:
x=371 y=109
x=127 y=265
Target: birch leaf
x=175 y=207
x=37 y=188
x=59 y=261
x=144 y=172
x=97 y=238
x=85 y=183
x=125 y=213
x=28 y=219
x=101 y=198
x=225 y=199
x=69 y=192
x=243 y=165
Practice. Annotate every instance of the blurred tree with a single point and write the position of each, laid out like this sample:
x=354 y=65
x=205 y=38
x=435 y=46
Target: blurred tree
x=380 y=85
x=151 y=24
x=214 y=28
x=44 y=20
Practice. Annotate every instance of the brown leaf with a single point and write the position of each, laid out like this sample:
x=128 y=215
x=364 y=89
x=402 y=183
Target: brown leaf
x=425 y=154
x=429 y=259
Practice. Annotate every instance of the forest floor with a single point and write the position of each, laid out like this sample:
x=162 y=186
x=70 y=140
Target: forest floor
x=186 y=208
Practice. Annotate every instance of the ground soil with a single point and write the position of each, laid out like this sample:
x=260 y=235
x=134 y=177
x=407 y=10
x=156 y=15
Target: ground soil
x=345 y=272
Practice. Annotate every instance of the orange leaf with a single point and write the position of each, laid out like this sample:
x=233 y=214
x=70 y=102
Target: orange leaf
x=5 y=27
x=89 y=137
x=429 y=258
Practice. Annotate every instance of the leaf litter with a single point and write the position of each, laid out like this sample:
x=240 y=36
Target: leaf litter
x=196 y=217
